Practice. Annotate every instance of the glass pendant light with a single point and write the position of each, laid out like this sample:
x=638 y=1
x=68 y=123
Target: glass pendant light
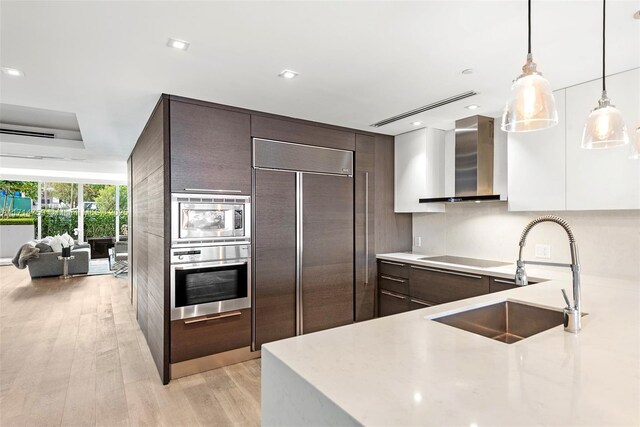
x=605 y=126
x=531 y=106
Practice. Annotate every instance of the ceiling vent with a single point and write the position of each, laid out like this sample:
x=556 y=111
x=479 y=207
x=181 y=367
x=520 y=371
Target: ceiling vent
x=27 y=133
x=428 y=107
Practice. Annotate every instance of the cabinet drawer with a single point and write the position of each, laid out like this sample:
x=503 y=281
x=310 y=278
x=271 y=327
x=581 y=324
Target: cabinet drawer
x=211 y=334
x=393 y=268
x=415 y=304
x=498 y=284
x=394 y=284
x=440 y=286
x=392 y=303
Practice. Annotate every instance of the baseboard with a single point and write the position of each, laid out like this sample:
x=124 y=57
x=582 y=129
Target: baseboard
x=214 y=361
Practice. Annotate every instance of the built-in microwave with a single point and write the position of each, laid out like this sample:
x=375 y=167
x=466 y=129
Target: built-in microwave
x=210 y=219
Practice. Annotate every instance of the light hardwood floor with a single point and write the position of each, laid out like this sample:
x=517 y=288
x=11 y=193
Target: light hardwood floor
x=71 y=353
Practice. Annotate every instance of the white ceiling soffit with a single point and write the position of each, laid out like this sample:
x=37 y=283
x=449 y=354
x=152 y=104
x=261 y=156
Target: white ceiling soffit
x=359 y=61
x=39 y=128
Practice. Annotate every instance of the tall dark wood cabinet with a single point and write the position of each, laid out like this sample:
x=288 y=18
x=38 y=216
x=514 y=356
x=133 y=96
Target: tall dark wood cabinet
x=190 y=146
x=365 y=228
x=150 y=235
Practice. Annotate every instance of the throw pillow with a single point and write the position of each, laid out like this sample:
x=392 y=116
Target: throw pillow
x=67 y=239
x=44 y=248
x=57 y=243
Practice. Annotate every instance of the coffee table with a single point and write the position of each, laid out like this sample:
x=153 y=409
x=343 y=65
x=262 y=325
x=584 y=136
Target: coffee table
x=65 y=266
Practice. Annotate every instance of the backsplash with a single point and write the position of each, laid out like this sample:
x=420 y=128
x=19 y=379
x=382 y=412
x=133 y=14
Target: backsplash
x=608 y=241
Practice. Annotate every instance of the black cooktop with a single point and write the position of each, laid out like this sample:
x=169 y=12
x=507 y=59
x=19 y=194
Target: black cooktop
x=470 y=262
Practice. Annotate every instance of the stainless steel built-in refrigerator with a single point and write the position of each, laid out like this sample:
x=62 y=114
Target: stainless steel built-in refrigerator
x=303 y=238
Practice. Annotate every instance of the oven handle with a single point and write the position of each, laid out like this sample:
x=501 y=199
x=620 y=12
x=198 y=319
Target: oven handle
x=206 y=190
x=205 y=265
x=220 y=316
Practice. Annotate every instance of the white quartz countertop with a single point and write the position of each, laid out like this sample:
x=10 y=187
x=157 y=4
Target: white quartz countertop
x=407 y=370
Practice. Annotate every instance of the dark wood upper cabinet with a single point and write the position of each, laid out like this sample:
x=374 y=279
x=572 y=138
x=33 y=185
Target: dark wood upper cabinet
x=302 y=133
x=365 y=257
x=210 y=149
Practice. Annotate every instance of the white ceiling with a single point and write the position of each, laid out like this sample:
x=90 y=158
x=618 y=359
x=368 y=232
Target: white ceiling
x=359 y=62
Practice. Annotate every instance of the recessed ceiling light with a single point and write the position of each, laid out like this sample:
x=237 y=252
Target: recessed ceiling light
x=288 y=74
x=472 y=107
x=178 y=44
x=637 y=15
x=416 y=123
x=467 y=71
x=12 y=72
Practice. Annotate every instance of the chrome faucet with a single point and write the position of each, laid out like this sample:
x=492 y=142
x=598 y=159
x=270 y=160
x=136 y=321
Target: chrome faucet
x=572 y=314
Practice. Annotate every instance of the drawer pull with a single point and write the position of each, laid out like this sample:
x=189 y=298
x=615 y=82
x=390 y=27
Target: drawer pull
x=392 y=263
x=391 y=294
x=206 y=190
x=417 y=301
x=220 y=316
x=393 y=279
x=471 y=276
x=506 y=282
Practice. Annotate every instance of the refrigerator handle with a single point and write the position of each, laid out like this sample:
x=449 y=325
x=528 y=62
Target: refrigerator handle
x=366 y=229
x=299 y=248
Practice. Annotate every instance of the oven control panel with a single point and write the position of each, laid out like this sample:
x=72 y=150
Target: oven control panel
x=210 y=253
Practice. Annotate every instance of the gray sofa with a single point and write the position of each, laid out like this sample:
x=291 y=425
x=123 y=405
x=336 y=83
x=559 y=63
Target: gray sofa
x=48 y=264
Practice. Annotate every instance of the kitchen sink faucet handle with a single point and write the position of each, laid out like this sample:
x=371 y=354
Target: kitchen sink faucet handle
x=566 y=298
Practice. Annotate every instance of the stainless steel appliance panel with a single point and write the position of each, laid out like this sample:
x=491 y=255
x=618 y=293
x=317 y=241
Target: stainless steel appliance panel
x=218 y=277
x=204 y=219
x=474 y=156
x=278 y=155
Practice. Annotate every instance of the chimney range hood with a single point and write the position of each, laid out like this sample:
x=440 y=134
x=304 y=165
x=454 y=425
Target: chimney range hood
x=473 y=162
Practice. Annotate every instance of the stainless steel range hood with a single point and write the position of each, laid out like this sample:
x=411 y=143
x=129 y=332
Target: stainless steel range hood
x=473 y=163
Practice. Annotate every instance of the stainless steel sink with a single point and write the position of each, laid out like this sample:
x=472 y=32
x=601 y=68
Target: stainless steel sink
x=506 y=321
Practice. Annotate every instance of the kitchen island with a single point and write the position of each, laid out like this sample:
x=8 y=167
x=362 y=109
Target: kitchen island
x=407 y=369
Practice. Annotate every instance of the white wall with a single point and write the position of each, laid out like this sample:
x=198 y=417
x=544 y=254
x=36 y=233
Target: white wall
x=608 y=241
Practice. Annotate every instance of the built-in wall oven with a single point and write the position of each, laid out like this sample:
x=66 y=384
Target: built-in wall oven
x=198 y=219
x=210 y=279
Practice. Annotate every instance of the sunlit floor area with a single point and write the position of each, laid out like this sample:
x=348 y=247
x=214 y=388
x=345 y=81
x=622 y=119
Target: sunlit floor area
x=72 y=354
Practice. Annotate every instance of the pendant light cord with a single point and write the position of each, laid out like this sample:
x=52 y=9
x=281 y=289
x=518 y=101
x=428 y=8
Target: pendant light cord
x=529 y=27
x=604 y=14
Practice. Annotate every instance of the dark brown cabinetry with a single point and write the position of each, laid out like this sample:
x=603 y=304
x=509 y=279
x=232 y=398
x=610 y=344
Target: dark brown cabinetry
x=307 y=133
x=274 y=241
x=392 y=303
x=404 y=287
x=190 y=146
x=365 y=257
x=205 y=335
x=440 y=286
x=210 y=149
x=303 y=276
x=498 y=284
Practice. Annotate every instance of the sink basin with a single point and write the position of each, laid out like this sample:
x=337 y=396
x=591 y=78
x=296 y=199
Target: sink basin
x=506 y=321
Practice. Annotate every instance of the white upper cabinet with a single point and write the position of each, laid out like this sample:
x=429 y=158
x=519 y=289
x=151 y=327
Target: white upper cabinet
x=536 y=172
x=419 y=170
x=608 y=178
x=548 y=170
